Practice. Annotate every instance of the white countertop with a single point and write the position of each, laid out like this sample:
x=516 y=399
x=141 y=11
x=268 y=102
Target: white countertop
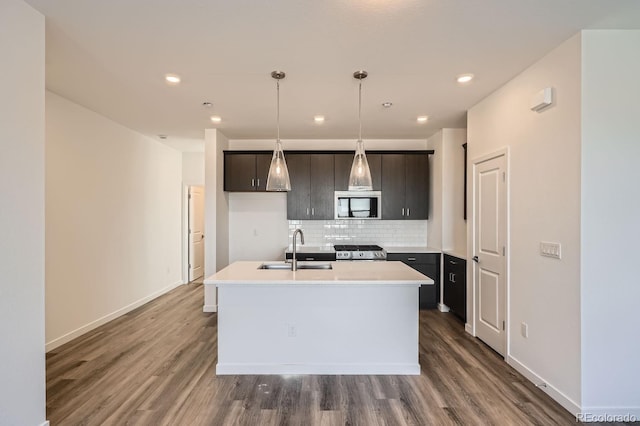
x=418 y=249
x=352 y=273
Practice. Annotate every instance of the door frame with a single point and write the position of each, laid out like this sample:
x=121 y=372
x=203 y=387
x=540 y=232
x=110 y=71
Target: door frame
x=185 y=233
x=471 y=235
x=185 y=230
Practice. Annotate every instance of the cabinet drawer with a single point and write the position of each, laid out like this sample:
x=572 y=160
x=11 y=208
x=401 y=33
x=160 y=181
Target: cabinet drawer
x=409 y=258
x=454 y=264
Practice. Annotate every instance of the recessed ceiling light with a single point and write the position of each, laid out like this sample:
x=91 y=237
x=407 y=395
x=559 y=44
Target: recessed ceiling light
x=172 y=78
x=422 y=119
x=319 y=119
x=216 y=118
x=387 y=104
x=207 y=104
x=465 y=78
x=162 y=136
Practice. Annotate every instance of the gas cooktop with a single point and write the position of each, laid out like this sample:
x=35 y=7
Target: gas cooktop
x=359 y=252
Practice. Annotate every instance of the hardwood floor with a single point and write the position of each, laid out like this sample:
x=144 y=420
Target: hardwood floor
x=156 y=366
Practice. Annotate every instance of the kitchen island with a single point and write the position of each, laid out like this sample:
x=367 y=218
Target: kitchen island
x=356 y=318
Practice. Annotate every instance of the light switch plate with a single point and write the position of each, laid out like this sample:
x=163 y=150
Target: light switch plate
x=524 y=330
x=550 y=249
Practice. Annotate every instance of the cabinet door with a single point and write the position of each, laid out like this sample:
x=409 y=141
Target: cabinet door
x=342 y=169
x=239 y=172
x=417 y=186
x=263 y=161
x=430 y=294
x=321 y=186
x=375 y=165
x=343 y=164
x=298 y=198
x=455 y=285
x=393 y=186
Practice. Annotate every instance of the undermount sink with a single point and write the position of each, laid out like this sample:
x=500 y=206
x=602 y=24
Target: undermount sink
x=310 y=265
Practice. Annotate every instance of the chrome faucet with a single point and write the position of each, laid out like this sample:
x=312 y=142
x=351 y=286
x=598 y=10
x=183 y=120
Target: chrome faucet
x=294 y=261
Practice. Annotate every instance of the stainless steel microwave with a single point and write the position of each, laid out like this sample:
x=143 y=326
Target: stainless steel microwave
x=358 y=205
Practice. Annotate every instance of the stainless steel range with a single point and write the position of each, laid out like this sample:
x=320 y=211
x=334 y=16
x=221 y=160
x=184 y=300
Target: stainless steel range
x=359 y=252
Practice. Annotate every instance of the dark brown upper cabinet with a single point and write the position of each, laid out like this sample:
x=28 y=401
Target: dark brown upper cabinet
x=312 y=186
x=343 y=164
x=246 y=172
x=405 y=186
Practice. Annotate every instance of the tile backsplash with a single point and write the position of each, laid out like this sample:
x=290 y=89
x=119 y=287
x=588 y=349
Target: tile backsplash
x=325 y=233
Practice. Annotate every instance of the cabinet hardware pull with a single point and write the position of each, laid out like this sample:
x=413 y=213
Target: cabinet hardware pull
x=411 y=258
x=453 y=277
x=258 y=182
x=452 y=262
x=313 y=211
x=408 y=211
x=403 y=211
x=253 y=182
x=307 y=211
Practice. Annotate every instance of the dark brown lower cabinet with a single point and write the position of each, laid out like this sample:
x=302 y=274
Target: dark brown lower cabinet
x=454 y=284
x=429 y=265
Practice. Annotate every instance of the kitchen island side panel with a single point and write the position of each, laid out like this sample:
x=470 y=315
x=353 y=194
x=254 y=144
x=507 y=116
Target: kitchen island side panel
x=318 y=329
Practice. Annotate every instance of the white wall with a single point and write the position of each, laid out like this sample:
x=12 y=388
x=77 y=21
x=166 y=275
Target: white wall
x=454 y=227
x=216 y=212
x=113 y=219
x=446 y=227
x=328 y=144
x=22 y=361
x=193 y=168
x=610 y=221
x=434 y=224
x=544 y=190
x=258 y=226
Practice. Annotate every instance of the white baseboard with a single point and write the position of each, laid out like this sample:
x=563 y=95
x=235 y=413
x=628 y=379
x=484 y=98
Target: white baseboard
x=469 y=329
x=609 y=414
x=329 y=369
x=443 y=308
x=210 y=308
x=59 y=341
x=562 y=399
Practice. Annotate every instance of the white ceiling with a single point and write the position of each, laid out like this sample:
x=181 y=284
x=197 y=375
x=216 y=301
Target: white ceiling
x=111 y=56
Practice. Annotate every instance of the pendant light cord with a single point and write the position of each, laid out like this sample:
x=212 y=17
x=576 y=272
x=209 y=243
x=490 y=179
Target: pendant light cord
x=360 y=110
x=278 y=107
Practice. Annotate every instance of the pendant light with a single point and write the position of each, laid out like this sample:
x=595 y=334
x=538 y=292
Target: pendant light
x=360 y=177
x=278 y=178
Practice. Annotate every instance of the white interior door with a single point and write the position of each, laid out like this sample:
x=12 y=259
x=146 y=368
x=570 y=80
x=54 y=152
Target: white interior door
x=489 y=261
x=196 y=232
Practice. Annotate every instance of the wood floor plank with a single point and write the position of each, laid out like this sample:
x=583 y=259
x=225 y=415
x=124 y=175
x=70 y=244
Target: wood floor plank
x=156 y=366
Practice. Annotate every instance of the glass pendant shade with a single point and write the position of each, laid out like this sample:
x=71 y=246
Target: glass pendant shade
x=278 y=178
x=360 y=177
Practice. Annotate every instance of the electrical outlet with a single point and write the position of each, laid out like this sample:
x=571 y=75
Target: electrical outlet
x=548 y=249
x=524 y=330
x=292 y=331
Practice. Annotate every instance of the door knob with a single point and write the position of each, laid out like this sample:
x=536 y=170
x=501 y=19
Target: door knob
x=475 y=259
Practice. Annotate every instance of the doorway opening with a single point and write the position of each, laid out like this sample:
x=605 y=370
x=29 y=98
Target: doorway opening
x=195 y=233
